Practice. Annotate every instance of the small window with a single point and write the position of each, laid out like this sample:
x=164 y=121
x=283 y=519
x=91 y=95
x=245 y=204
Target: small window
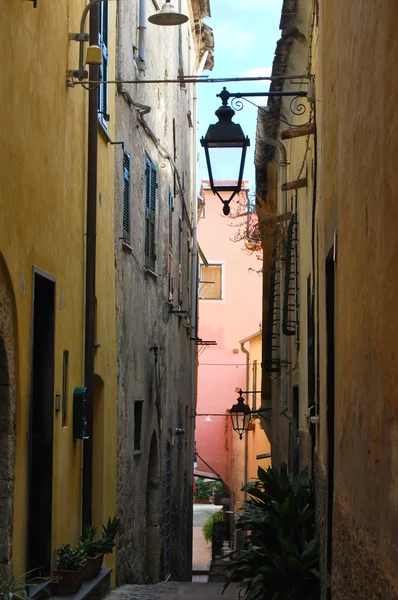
x=150 y=214
x=65 y=388
x=137 y=425
x=126 y=195
x=210 y=284
x=103 y=43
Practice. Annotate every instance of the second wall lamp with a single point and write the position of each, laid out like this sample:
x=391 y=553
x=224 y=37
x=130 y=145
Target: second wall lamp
x=167 y=15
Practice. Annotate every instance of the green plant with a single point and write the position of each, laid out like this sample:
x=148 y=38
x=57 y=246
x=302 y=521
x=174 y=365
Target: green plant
x=70 y=559
x=16 y=588
x=207 y=528
x=105 y=544
x=280 y=557
x=205 y=489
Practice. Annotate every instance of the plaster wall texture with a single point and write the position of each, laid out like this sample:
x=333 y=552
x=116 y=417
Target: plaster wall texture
x=351 y=55
x=154 y=346
x=223 y=368
x=255 y=442
x=43 y=187
x=8 y=377
x=357 y=183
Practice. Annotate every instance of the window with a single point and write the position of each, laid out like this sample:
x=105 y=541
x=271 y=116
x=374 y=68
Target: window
x=171 y=279
x=137 y=425
x=150 y=214
x=210 y=284
x=103 y=43
x=126 y=195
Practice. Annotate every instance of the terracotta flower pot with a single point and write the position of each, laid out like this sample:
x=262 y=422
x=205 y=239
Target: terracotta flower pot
x=92 y=567
x=67 y=582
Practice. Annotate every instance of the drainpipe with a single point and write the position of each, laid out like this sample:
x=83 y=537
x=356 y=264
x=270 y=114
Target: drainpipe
x=194 y=334
x=91 y=232
x=242 y=347
x=276 y=143
x=140 y=60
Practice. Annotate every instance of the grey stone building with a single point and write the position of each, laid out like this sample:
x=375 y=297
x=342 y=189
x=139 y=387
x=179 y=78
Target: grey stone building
x=155 y=215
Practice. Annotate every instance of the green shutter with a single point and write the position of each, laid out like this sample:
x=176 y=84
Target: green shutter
x=103 y=42
x=126 y=195
x=150 y=214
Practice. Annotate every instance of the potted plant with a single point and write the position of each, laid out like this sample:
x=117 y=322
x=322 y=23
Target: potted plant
x=95 y=549
x=207 y=528
x=70 y=564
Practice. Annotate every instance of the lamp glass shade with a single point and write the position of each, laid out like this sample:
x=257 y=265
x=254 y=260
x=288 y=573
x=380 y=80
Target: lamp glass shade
x=168 y=15
x=226 y=165
x=225 y=147
x=240 y=416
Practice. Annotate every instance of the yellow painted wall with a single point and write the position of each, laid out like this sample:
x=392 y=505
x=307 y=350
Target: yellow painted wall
x=42 y=200
x=258 y=442
x=254 y=442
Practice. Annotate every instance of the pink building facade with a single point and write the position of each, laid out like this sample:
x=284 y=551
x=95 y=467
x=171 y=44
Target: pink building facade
x=230 y=296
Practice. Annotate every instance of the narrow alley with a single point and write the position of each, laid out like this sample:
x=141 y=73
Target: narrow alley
x=198 y=300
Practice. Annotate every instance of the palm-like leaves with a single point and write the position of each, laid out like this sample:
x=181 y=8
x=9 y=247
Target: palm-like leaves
x=280 y=558
x=15 y=588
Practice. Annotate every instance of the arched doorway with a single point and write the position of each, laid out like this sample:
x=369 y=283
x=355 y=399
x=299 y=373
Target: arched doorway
x=8 y=347
x=153 y=515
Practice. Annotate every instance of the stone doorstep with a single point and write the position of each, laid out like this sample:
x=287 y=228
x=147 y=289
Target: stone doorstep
x=94 y=589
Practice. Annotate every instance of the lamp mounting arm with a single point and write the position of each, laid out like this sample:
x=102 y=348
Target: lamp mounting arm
x=225 y=95
x=82 y=37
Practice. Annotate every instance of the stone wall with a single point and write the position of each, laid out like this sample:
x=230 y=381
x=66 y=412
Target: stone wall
x=7 y=411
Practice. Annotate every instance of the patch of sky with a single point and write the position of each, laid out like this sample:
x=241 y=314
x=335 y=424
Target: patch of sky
x=245 y=36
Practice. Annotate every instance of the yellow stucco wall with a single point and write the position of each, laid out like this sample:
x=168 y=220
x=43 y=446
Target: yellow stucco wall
x=43 y=190
x=357 y=187
x=254 y=442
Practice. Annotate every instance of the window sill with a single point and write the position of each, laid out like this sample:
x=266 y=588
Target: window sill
x=126 y=246
x=149 y=271
x=104 y=133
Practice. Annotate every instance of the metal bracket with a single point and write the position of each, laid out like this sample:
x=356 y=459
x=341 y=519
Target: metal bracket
x=79 y=37
x=76 y=74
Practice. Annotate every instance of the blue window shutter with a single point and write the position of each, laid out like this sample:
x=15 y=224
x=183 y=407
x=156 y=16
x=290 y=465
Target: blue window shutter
x=171 y=208
x=126 y=194
x=150 y=213
x=180 y=262
x=103 y=42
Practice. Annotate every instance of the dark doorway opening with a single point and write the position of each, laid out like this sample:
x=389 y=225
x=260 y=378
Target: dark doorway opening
x=295 y=430
x=40 y=444
x=311 y=370
x=167 y=514
x=330 y=411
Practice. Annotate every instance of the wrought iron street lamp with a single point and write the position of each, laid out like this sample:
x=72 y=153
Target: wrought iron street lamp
x=221 y=136
x=240 y=415
x=228 y=136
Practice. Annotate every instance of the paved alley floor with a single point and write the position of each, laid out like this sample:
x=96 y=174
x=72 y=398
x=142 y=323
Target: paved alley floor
x=201 y=551
x=170 y=590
